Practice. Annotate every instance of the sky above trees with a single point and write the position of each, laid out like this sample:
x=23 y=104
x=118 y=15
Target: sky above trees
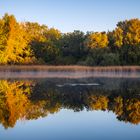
x=68 y=15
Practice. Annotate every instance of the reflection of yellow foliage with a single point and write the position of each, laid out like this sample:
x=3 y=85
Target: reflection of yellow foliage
x=15 y=103
x=133 y=109
x=98 y=102
x=118 y=109
x=127 y=110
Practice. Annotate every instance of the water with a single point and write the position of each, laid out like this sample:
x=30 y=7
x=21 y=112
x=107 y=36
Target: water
x=68 y=74
x=101 y=108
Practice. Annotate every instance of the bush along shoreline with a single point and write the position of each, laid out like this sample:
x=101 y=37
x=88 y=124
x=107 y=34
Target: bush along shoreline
x=25 y=43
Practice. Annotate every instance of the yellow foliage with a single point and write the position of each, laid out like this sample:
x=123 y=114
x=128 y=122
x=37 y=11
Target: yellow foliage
x=15 y=47
x=97 y=40
x=131 y=32
x=117 y=36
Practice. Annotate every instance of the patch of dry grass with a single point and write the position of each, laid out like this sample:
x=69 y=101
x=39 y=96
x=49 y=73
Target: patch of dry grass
x=16 y=68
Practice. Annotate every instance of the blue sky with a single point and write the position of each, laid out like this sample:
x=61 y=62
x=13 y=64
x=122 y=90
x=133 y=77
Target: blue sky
x=69 y=15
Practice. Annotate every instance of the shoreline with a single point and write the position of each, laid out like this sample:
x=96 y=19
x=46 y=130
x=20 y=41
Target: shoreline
x=72 y=72
x=18 y=68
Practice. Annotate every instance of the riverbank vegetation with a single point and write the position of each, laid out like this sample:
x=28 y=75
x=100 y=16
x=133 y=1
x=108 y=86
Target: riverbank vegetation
x=71 y=68
x=23 y=43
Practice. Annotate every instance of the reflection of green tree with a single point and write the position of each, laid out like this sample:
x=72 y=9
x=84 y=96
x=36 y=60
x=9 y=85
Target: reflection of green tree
x=31 y=100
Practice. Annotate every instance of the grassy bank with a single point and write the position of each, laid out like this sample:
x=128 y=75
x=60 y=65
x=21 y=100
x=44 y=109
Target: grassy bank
x=69 y=68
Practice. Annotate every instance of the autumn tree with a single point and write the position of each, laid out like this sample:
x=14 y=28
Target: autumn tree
x=131 y=32
x=43 y=41
x=115 y=38
x=97 y=40
x=13 y=48
x=130 y=49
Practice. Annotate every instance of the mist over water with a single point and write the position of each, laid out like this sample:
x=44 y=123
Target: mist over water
x=68 y=74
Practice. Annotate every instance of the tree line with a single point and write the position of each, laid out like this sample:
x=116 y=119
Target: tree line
x=32 y=43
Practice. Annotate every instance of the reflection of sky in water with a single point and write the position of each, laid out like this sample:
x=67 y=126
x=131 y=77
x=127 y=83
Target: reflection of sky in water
x=67 y=125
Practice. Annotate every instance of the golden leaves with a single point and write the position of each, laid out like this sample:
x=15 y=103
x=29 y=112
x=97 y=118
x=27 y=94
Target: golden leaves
x=97 y=40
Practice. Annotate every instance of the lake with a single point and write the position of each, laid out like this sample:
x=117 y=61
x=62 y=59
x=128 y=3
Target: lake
x=68 y=106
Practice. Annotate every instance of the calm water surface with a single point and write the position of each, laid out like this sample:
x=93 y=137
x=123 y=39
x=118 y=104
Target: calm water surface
x=90 y=108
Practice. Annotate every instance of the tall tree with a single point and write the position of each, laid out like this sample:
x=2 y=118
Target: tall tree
x=131 y=32
x=13 y=48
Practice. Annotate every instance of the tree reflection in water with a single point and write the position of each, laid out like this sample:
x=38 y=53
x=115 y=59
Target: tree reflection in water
x=31 y=99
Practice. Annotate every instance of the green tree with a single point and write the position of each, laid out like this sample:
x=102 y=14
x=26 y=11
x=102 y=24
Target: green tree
x=72 y=45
